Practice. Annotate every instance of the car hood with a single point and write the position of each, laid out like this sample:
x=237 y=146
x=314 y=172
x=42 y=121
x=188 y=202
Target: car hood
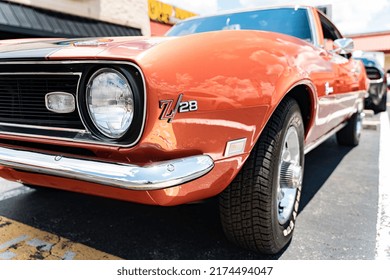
x=85 y=48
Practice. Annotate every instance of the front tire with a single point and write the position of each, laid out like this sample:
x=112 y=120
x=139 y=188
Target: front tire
x=259 y=208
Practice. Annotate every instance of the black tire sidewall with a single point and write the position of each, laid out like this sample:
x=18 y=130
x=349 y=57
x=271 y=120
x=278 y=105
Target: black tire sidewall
x=382 y=104
x=248 y=206
x=283 y=233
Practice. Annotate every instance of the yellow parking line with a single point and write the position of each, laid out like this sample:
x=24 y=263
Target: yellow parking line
x=22 y=242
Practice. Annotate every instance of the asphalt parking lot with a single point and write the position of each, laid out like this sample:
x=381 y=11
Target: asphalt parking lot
x=338 y=217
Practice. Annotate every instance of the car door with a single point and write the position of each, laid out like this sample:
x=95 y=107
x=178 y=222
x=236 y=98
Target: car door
x=336 y=87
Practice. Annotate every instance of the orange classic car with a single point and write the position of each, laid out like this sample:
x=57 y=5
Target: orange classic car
x=224 y=105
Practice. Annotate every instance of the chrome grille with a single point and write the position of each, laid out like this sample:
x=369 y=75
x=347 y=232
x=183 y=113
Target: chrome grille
x=22 y=99
x=373 y=73
x=23 y=113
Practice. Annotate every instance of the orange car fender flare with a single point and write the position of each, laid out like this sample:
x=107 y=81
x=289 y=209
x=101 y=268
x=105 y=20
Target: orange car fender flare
x=313 y=103
x=313 y=106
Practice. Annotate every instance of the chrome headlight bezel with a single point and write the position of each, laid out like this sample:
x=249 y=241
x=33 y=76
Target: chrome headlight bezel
x=103 y=124
x=133 y=78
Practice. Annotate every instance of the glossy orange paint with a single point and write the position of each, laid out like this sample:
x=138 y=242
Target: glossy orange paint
x=238 y=79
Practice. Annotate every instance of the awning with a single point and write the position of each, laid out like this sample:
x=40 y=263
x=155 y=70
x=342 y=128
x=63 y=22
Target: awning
x=34 y=22
x=378 y=41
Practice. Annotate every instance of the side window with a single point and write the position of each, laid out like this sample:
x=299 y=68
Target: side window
x=330 y=32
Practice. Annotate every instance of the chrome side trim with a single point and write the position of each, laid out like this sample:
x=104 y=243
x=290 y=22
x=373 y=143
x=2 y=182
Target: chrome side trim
x=154 y=176
x=38 y=73
x=41 y=127
x=322 y=139
x=79 y=138
x=84 y=136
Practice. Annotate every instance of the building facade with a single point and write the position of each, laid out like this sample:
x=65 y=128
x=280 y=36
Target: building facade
x=374 y=42
x=73 y=18
x=163 y=16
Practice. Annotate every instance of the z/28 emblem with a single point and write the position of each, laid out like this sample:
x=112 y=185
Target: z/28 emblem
x=169 y=112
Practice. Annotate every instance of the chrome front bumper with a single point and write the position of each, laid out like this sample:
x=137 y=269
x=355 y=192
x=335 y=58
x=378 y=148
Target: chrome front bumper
x=154 y=176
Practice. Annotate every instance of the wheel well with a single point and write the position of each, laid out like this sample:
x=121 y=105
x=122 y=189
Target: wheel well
x=302 y=95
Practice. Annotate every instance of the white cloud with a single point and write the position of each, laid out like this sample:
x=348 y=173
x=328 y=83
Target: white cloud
x=200 y=7
x=259 y=3
x=356 y=18
x=350 y=16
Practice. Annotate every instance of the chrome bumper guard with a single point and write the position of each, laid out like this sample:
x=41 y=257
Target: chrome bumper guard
x=154 y=176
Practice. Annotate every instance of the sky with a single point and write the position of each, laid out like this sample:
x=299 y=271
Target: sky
x=350 y=16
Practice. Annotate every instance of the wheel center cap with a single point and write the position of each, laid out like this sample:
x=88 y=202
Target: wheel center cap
x=291 y=175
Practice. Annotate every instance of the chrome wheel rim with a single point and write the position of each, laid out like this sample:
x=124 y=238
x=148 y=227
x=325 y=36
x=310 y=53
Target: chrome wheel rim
x=359 y=124
x=290 y=175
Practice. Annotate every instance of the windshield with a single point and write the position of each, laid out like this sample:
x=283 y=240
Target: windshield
x=289 y=21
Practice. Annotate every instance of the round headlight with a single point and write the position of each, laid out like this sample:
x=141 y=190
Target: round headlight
x=110 y=102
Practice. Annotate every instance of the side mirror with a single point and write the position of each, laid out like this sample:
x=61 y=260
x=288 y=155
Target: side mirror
x=343 y=46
